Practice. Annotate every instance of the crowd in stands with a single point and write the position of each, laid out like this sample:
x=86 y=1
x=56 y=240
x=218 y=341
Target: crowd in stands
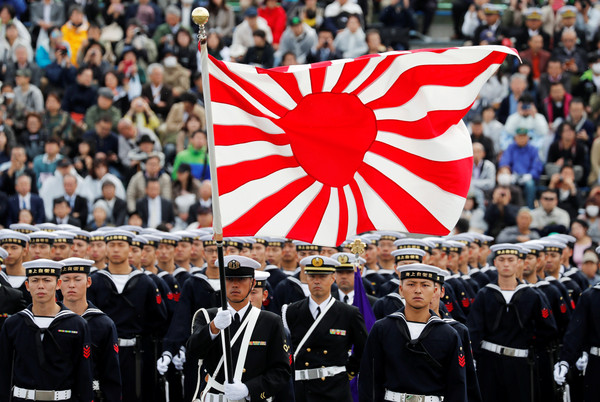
x=102 y=119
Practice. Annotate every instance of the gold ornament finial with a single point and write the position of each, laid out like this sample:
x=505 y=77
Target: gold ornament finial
x=357 y=247
x=200 y=15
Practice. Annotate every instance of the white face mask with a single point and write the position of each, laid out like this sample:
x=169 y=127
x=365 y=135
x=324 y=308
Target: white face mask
x=596 y=68
x=592 y=210
x=170 y=61
x=504 y=179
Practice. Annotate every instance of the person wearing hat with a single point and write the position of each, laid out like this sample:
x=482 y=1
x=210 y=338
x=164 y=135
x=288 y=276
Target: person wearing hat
x=533 y=27
x=137 y=249
x=463 y=292
x=75 y=280
x=132 y=300
x=568 y=270
x=569 y=288
x=104 y=105
x=16 y=244
x=344 y=278
x=259 y=250
x=136 y=142
x=261 y=364
x=323 y=330
x=581 y=344
x=274 y=250
x=81 y=243
x=97 y=250
x=385 y=245
x=426 y=359
x=371 y=271
x=493 y=24
x=46 y=334
x=62 y=245
x=589 y=267
x=261 y=54
x=298 y=38
x=40 y=245
x=507 y=320
x=11 y=300
x=196 y=256
x=281 y=261
x=183 y=255
x=568 y=22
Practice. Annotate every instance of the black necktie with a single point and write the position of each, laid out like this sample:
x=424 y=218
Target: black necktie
x=318 y=312
x=346 y=298
x=235 y=325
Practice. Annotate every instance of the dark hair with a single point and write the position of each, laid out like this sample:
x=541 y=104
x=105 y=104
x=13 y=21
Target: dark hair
x=108 y=183
x=74 y=8
x=152 y=180
x=53 y=140
x=196 y=132
x=118 y=75
x=10 y=9
x=561 y=128
x=582 y=223
x=55 y=95
x=105 y=118
x=260 y=33
x=60 y=200
x=97 y=163
x=549 y=190
x=213 y=9
x=576 y=99
x=81 y=69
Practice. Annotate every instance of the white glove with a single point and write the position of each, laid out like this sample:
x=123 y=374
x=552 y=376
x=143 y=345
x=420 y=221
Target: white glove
x=179 y=359
x=236 y=391
x=525 y=178
x=560 y=372
x=222 y=319
x=582 y=362
x=162 y=364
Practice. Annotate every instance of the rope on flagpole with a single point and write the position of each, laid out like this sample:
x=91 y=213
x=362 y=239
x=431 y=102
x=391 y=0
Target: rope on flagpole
x=200 y=17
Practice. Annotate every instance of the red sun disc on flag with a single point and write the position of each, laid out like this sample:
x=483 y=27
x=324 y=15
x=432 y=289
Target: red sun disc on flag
x=321 y=152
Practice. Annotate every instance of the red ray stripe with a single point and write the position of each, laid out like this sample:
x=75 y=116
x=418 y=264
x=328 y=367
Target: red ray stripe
x=343 y=222
x=222 y=93
x=349 y=72
x=253 y=220
x=317 y=78
x=234 y=176
x=380 y=69
x=434 y=124
x=307 y=225
x=415 y=217
x=455 y=75
x=452 y=176
x=288 y=82
x=232 y=135
x=255 y=92
x=363 y=223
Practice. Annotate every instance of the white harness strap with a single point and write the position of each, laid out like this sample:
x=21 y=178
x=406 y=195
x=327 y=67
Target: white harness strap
x=207 y=318
x=313 y=326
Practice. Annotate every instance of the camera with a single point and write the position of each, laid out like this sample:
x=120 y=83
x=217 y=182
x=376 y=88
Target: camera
x=526 y=106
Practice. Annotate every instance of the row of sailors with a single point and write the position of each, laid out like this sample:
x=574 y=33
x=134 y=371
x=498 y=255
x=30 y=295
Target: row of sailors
x=202 y=291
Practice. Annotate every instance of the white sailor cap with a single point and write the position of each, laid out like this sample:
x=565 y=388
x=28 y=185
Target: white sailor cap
x=3 y=255
x=420 y=271
x=421 y=244
x=131 y=228
x=80 y=234
x=62 y=236
x=390 y=235
x=118 y=235
x=42 y=237
x=12 y=237
x=42 y=267
x=138 y=241
x=67 y=227
x=151 y=240
x=506 y=249
x=261 y=278
x=97 y=236
x=567 y=11
x=50 y=227
x=409 y=254
x=23 y=228
x=76 y=265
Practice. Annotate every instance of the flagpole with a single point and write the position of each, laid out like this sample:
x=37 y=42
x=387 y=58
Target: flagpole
x=200 y=17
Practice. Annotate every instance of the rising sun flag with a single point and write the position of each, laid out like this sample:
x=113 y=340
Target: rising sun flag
x=324 y=151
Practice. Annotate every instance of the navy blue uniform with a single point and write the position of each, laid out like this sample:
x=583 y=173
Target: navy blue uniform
x=462 y=295
x=276 y=275
x=452 y=305
x=105 y=353
x=433 y=364
x=375 y=280
x=11 y=302
x=139 y=314
x=480 y=277
x=523 y=323
x=23 y=289
x=181 y=275
x=473 y=392
x=54 y=359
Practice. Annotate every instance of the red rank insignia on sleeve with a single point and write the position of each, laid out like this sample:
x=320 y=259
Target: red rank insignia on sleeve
x=158 y=298
x=545 y=313
x=465 y=302
x=572 y=304
x=86 y=351
x=176 y=296
x=563 y=308
x=449 y=306
x=461 y=360
x=169 y=296
x=116 y=347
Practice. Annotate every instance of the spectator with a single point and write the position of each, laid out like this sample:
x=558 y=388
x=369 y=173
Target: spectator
x=22 y=62
x=196 y=156
x=533 y=27
x=25 y=216
x=276 y=18
x=523 y=160
x=62 y=213
x=75 y=31
x=477 y=135
x=137 y=40
x=53 y=186
x=4 y=148
x=336 y=14
x=129 y=137
x=508 y=106
x=398 y=14
x=44 y=165
x=500 y=213
x=28 y=94
x=473 y=18
x=84 y=159
x=100 y=216
x=204 y=218
x=145 y=146
x=132 y=73
x=351 y=41
x=34 y=136
x=324 y=49
x=116 y=207
x=569 y=197
x=77 y=202
x=554 y=73
x=589 y=267
x=310 y=12
x=535 y=54
x=10 y=41
x=571 y=55
x=153 y=209
x=192 y=125
x=548 y=216
x=164 y=36
x=18 y=167
x=178 y=115
x=93 y=57
x=591 y=213
x=492 y=29
x=521 y=232
x=157 y=94
x=46 y=49
x=60 y=73
x=589 y=20
x=57 y=122
x=147 y=13
x=104 y=140
x=217 y=49
x=176 y=76
x=289 y=59
x=242 y=34
x=186 y=50
x=584 y=127
x=556 y=104
x=185 y=183
x=493 y=91
x=25 y=199
x=137 y=184
x=483 y=178
x=79 y=97
x=527 y=118
x=374 y=44
x=113 y=81
x=15 y=8
x=262 y=53
x=587 y=88
x=298 y=38
x=567 y=151
x=113 y=13
x=93 y=184
x=104 y=106
x=595 y=161
x=222 y=18
x=579 y=230
x=473 y=212
x=568 y=19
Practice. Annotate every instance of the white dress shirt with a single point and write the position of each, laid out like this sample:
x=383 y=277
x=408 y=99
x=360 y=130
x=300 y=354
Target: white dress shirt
x=312 y=306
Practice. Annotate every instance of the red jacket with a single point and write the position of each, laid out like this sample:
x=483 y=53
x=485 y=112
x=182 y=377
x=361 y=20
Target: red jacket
x=277 y=20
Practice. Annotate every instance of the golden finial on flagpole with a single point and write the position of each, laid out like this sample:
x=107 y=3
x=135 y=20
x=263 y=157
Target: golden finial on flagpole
x=200 y=17
x=357 y=247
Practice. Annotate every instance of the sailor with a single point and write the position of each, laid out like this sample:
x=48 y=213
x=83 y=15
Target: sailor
x=371 y=271
x=344 y=278
x=45 y=350
x=97 y=250
x=413 y=353
x=11 y=300
x=261 y=365
x=40 y=245
x=62 y=245
x=81 y=242
x=13 y=275
x=75 y=281
x=323 y=330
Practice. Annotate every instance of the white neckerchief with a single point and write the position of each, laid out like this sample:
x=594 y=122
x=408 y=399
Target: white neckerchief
x=120 y=282
x=415 y=329
x=16 y=281
x=312 y=306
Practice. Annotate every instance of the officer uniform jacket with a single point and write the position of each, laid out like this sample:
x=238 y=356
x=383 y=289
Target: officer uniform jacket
x=341 y=328
x=61 y=360
x=105 y=352
x=11 y=302
x=433 y=364
x=267 y=366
